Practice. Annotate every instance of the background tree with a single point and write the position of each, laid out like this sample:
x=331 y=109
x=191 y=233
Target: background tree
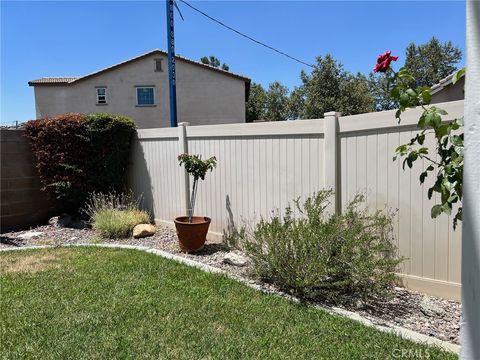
x=356 y=97
x=215 y=62
x=380 y=88
x=256 y=104
x=276 y=102
x=330 y=88
x=296 y=104
x=430 y=62
x=322 y=87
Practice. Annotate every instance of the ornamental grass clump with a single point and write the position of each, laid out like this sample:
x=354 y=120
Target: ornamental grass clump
x=114 y=215
x=321 y=257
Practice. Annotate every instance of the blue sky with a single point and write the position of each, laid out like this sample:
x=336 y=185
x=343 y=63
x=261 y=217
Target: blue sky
x=64 y=38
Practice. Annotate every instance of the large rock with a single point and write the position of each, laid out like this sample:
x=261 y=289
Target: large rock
x=429 y=308
x=66 y=221
x=30 y=235
x=63 y=220
x=143 y=230
x=235 y=259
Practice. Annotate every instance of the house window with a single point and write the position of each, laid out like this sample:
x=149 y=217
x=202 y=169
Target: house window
x=158 y=65
x=145 y=96
x=101 y=95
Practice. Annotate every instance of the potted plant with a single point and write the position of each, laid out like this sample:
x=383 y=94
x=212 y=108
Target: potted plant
x=192 y=230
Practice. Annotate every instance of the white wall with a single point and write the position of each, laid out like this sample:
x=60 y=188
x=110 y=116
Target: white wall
x=263 y=166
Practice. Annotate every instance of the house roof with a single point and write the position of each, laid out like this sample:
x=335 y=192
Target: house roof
x=443 y=83
x=53 y=80
x=67 y=80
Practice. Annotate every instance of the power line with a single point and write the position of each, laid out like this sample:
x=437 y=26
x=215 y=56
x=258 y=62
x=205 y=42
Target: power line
x=246 y=36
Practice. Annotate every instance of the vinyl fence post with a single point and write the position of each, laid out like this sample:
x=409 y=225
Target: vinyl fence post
x=183 y=149
x=470 y=320
x=331 y=157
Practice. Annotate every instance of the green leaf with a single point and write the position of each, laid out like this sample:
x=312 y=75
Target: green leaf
x=421 y=121
x=426 y=96
x=398 y=113
x=430 y=193
x=456 y=140
x=401 y=149
x=412 y=93
x=423 y=175
x=458 y=75
x=455 y=125
x=441 y=131
x=395 y=92
x=421 y=139
x=436 y=120
x=447 y=208
x=404 y=99
x=436 y=210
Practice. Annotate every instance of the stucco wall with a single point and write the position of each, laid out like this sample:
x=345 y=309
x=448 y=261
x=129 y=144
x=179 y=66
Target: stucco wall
x=203 y=96
x=451 y=92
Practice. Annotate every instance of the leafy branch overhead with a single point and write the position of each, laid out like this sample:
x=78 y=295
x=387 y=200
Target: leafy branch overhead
x=447 y=161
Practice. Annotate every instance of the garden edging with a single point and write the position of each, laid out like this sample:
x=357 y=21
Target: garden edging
x=384 y=327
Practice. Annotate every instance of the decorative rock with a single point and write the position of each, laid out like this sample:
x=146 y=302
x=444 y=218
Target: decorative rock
x=235 y=259
x=359 y=304
x=30 y=235
x=143 y=230
x=63 y=220
x=429 y=308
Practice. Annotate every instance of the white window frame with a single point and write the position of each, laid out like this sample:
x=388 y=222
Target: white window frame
x=98 y=96
x=145 y=87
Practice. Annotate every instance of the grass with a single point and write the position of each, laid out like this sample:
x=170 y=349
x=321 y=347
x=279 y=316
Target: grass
x=114 y=215
x=112 y=223
x=94 y=303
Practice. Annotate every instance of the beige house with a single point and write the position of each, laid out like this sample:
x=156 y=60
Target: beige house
x=138 y=88
x=446 y=90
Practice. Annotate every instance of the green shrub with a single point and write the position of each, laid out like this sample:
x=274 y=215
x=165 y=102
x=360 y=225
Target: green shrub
x=115 y=215
x=77 y=154
x=333 y=258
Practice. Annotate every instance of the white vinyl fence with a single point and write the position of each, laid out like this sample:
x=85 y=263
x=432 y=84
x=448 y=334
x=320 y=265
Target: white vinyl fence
x=262 y=167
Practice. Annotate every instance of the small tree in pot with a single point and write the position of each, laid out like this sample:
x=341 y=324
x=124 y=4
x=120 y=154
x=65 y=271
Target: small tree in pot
x=192 y=230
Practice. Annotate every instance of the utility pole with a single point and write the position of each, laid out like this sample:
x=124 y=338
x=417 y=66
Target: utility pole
x=172 y=76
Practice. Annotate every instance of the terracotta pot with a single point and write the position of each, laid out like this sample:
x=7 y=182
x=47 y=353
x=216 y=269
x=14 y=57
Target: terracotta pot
x=192 y=236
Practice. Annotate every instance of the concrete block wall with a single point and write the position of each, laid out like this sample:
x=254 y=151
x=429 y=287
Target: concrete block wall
x=23 y=204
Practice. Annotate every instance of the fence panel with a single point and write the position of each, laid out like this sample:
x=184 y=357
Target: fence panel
x=257 y=173
x=262 y=167
x=367 y=147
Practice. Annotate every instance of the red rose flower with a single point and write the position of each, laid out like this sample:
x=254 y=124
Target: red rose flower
x=383 y=61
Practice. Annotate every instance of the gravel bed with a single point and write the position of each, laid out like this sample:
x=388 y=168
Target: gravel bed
x=428 y=315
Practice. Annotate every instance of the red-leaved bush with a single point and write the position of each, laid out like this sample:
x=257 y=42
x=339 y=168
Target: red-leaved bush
x=77 y=154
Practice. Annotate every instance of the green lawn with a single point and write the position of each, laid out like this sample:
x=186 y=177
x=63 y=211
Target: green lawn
x=94 y=303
